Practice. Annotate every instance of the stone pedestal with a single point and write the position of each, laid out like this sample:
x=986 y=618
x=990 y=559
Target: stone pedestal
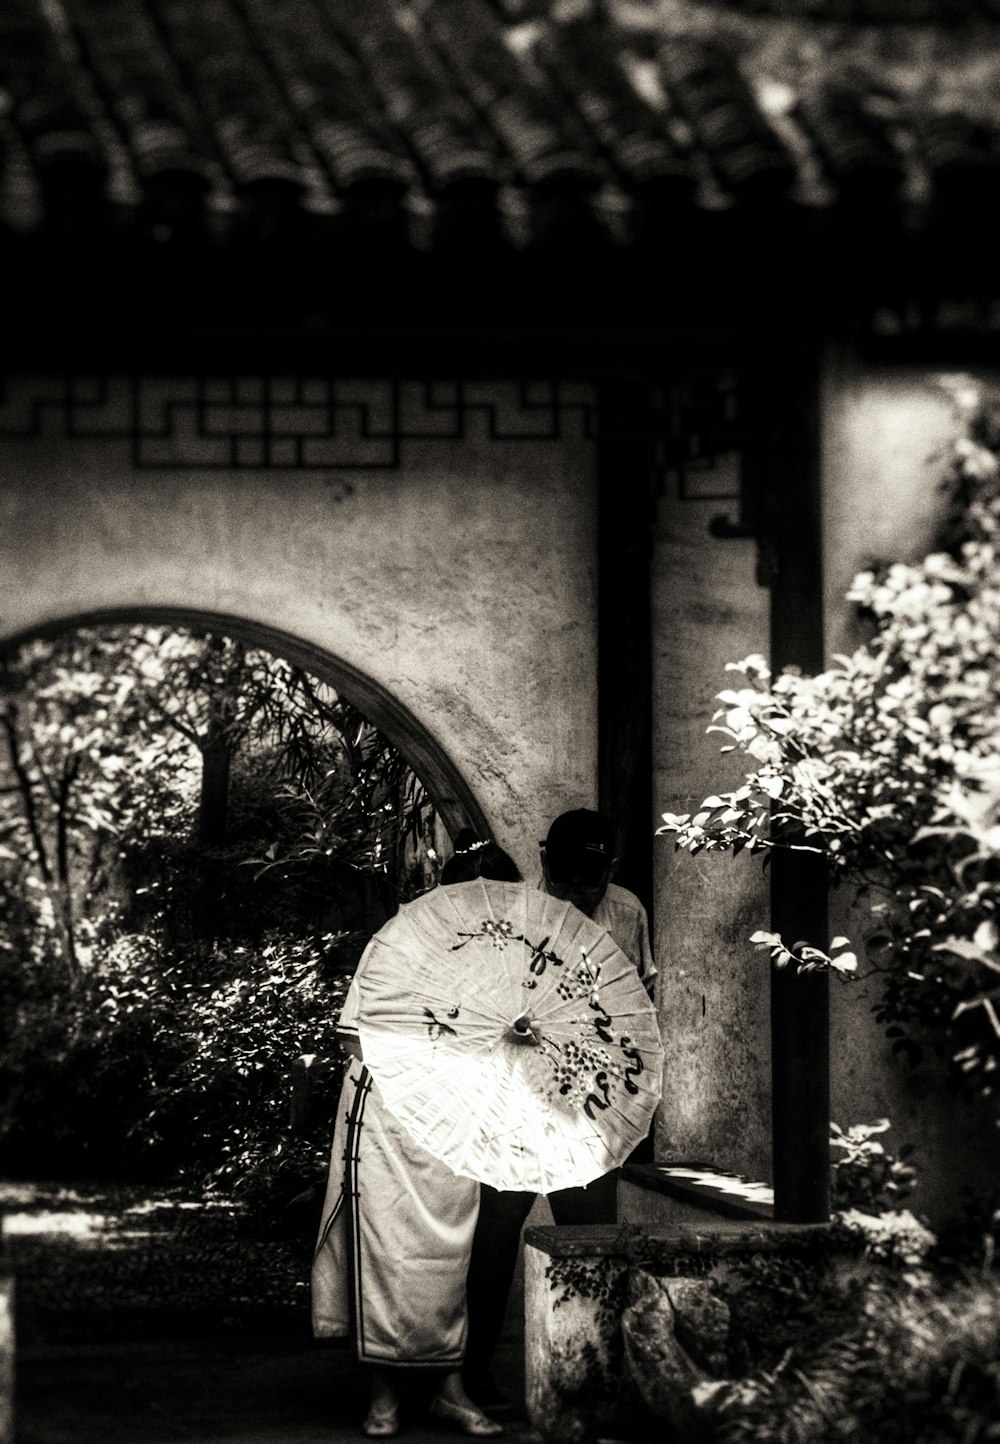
x=6 y=1360
x=614 y=1349
x=575 y=1286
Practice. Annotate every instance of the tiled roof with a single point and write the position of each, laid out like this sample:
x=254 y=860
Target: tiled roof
x=485 y=118
x=909 y=12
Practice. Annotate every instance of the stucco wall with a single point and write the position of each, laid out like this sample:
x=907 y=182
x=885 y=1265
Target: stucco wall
x=713 y=987
x=463 y=581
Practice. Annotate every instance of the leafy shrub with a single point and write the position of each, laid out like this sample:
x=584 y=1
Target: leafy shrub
x=76 y=1069
x=195 y=836
x=778 y=1304
x=873 y=1360
x=170 y=1066
x=865 y=1176
x=229 y=1091
x=862 y=1340
x=886 y=765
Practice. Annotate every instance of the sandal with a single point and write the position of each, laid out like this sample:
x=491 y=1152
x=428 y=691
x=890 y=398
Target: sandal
x=468 y=1419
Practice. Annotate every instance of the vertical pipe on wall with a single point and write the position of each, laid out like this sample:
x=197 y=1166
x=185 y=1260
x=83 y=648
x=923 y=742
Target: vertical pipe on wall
x=783 y=409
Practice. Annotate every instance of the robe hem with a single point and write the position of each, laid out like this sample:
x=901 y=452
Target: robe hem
x=390 y=1362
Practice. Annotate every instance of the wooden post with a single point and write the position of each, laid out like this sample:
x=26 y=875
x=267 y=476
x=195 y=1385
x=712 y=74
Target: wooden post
x=624 y=635
x=783 y=410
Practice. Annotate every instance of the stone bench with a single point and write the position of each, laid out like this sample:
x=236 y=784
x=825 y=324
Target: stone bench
x=679 y=1193
x=579 y=1281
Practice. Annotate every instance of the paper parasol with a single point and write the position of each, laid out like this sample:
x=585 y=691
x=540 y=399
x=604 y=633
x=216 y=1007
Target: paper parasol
x=510 y=1036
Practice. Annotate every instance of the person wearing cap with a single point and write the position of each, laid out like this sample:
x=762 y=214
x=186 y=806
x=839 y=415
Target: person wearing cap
x=578 y=859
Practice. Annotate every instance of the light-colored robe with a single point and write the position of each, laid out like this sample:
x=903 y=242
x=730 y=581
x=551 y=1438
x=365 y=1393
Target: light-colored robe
x=622 y=915
x=395 y=1236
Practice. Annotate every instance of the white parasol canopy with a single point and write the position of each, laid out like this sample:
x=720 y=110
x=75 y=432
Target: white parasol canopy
x=509 y=1035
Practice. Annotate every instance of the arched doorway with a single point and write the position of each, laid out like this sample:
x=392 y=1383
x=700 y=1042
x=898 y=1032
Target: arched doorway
x=451 y=796
x=449 y=791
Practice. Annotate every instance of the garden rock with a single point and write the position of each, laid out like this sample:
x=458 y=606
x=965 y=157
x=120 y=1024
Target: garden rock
x=701 y=1321
x=701 y=1318
x=643 y=1286
x=662 y=1369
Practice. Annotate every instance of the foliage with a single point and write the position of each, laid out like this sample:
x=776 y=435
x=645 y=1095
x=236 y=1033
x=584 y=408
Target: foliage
x=779 y=1302
x=869 y=1187
x=80 y=771
x=866 y=1336
x=886 y=765
x=368 y=807
x=123 y=745
x=228 y=1092
x=859 y=1330
x=178 y=1066
x=603 y=1282
x=865 y=1176
x=889 y=1361
x=807 y=959
x=856 y=1331
x=195 y=837
x=896 y=1238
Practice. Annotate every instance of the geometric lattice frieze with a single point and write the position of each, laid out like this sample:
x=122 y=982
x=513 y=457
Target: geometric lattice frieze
x=704 y=428
x=691 y=418
x=295 y=422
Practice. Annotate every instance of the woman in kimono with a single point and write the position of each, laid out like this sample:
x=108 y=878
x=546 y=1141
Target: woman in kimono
x=396 y=1235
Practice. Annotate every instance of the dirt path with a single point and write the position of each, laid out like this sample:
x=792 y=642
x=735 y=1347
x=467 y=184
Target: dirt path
x=152 y=1318
x=127 y=1263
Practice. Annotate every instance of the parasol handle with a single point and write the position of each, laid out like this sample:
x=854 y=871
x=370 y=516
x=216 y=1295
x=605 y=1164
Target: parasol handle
x=522 y=1030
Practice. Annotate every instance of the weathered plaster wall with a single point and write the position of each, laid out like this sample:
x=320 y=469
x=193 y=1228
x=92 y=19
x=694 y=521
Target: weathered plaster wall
x=463 y=582
x=883 y=429
x=712 y=990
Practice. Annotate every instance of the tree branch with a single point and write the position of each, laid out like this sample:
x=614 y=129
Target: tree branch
x=71 y=766
x=27 y=794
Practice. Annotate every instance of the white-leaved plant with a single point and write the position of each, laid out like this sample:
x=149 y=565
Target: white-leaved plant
x=806 y=958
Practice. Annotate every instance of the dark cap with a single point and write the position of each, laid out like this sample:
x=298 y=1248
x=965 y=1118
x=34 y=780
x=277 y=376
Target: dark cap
x=580 y=846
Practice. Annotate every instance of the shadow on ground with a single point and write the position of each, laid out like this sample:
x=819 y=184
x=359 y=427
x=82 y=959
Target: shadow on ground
x=149 y=1320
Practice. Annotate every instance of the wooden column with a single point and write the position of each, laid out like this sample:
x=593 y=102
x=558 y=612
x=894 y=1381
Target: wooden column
x=624 y=655
x=784 y=459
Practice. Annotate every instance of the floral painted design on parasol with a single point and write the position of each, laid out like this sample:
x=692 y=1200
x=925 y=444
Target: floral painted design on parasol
x=510 y=1036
